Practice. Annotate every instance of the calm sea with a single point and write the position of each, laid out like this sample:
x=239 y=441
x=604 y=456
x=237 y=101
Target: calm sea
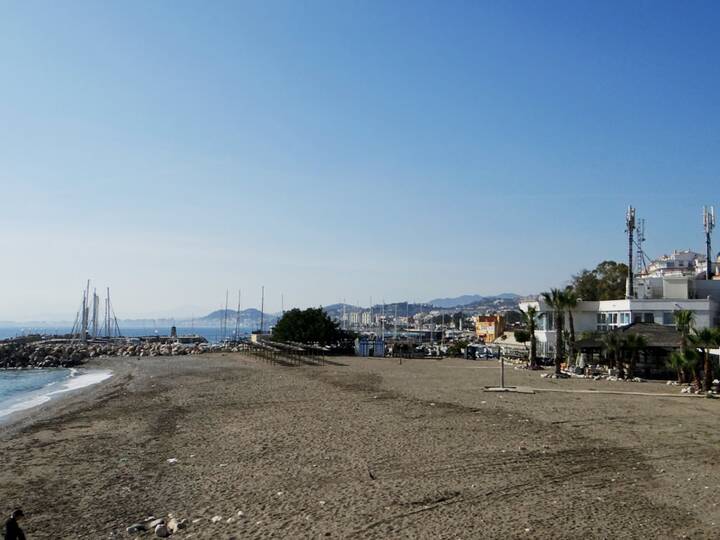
x=213 y=335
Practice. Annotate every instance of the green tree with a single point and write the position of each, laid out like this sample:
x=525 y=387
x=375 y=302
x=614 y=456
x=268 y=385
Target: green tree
x=705 y=340
x=556 y=301
x=456 y=348
x=679 y=362
x=612 y=345
x=684 y=322
x=605 y=282
x=311 y=325
x=530 y=319
x=522 y=336
x=633 y=344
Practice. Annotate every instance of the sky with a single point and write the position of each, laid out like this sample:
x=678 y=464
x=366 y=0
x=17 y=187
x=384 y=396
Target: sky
x=344 y=150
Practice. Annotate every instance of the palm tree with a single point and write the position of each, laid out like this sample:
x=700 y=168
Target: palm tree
x=705 y=340
x=633 y=344
x=692 y=362
x=571 y=302
x=678 y=362
x=612 y=345
x=555 y=299
x=684 y=322
x=530 y=320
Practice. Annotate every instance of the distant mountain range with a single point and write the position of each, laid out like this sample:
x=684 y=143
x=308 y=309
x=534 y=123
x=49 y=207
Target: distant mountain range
x=250 y=318
x=469 y=299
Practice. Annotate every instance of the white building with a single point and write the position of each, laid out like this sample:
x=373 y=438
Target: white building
x=660 y=294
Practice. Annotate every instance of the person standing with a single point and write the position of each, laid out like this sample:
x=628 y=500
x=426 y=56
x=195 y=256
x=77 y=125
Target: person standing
x=12 y=528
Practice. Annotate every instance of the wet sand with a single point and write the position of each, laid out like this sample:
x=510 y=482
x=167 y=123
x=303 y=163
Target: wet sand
x=368 y=449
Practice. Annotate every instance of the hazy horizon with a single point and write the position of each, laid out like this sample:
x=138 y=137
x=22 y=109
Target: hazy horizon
x=344 y=150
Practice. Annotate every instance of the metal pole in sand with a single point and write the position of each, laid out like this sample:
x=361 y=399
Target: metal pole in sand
x=502 y=369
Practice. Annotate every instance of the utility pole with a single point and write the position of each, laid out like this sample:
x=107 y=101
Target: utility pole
x=395 y=323
x=442 y=329
x=382 y=322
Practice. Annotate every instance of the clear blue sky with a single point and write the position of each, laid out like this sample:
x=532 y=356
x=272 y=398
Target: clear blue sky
x=341 y=149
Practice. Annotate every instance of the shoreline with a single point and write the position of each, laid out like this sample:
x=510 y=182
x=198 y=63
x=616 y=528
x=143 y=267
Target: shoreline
x=77 y=380
x=66 y=400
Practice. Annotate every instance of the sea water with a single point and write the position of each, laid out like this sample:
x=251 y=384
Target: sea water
x=25 y=388
x=213 y=335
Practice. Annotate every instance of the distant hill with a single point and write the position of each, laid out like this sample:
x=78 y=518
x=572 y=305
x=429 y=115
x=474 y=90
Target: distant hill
x=469 y=299
x=250 y=313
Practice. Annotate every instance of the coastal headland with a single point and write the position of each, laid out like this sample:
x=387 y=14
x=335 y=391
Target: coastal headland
x=362 y=448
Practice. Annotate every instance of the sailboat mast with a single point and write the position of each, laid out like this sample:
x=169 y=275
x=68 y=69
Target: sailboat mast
x=95 y=313
x=108 y=330
x=224 y=332
x=86 y=309
x=262 y=309
x=237 y=318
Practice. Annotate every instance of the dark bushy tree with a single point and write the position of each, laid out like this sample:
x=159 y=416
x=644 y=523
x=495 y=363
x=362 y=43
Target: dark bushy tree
x=606 y=282
x=310 y=325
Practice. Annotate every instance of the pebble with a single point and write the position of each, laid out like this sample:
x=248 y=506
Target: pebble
x=136 y=528
x=215 y=519
x=161 y=531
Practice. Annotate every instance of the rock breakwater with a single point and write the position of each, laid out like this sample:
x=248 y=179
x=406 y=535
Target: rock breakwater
x=46 y=354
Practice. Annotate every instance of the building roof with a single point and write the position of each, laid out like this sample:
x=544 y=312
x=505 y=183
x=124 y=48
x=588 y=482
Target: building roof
x=507 y=339
x=656 y=335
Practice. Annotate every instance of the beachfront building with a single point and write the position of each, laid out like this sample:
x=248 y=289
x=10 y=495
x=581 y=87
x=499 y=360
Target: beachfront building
x=670 y=284
x=489 y=327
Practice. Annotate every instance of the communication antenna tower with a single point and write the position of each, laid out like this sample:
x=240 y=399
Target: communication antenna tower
x=639 y=240
x=708 y=225
x=630 y=229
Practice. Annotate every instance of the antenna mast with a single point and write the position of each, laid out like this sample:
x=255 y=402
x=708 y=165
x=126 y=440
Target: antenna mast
x=630 y=229
x=640 y=231
x=708 y=225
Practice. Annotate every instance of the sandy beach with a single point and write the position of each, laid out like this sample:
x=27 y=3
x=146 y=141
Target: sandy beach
x=369 y=448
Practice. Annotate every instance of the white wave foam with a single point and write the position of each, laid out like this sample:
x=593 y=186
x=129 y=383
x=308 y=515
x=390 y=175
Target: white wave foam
x=75 y=381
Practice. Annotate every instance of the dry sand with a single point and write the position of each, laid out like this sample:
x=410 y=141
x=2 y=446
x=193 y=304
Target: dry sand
x=368 y=449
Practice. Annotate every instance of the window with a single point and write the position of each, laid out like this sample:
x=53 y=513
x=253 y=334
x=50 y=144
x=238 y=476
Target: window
x=668 y=318
x=648 y=317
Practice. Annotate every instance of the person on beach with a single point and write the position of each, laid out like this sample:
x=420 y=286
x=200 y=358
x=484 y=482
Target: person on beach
x=12 y=529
